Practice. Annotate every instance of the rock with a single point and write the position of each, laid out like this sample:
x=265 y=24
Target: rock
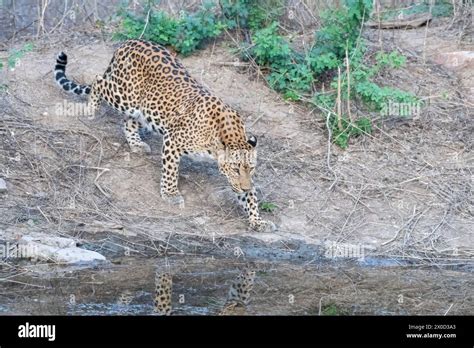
x=63 y=255
x=57 y=249
x=54 y=241
x=3 y=186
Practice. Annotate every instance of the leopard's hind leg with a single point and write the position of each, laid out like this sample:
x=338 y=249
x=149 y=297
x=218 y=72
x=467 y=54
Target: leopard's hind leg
x=131 y=129
x=95 y=95
x=133 y=121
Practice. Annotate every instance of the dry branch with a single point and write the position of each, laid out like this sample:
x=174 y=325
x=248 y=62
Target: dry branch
x=401 y=24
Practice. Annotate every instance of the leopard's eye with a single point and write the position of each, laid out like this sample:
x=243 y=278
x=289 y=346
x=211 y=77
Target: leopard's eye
x=237 y=170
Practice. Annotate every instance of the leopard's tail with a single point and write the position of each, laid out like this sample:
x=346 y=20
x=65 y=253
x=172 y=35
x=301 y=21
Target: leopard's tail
x=63 y=81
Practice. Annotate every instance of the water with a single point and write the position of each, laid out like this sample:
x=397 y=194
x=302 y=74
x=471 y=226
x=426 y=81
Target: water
x=201 y=281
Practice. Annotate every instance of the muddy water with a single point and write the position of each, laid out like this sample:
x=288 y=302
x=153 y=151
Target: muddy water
x=291 y=278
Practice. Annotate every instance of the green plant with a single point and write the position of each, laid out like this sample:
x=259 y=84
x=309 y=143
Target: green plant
x=236 y=12
x=188 y=32
x=391 y=60
x=162 y=28
x=333 y=309
x=251 y=14
x=290 y=73
x=268 y=206
x=185 y=34
x=294 y=74
x=323 y=62
x=371 y=93
x=130 y=27
x=263 y=13
x=341 y=28
x=293 y=80
x=359 y=83
x=341 y=136
x=194 y=29
x=270 y=48
x=15 y=55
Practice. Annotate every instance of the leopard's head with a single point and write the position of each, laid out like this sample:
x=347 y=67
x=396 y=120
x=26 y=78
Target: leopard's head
x=238 y=163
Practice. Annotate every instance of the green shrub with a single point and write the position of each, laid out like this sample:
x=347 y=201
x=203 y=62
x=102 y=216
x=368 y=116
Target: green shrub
x=292 y=80
x=185 y=34
x=323 y=62
x=294 y=74
x=251 y=14
x=269 y=48
x=162 y=29
x=236 y=12
x=195 y=29
x=341 y=136
x=371 y=93
x=264 y=13
x=341 y=28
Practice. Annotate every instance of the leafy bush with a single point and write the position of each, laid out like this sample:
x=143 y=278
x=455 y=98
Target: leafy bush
x=236 y=12
x=341 y=28
x=185 y=34
x=264 y=13
x=341 y=136
x=194 y=29
x=251 y=14
x=374 y=95
x=162 y=28
x=293 y=80
x=269 y=48
x=291 y=73
x=323 y=62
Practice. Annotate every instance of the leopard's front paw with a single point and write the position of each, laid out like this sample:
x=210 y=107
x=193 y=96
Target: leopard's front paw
x=173 y=199
x=263 y=226
x=142 y=148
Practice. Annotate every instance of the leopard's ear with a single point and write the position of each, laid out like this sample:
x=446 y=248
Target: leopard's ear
x=252 y=140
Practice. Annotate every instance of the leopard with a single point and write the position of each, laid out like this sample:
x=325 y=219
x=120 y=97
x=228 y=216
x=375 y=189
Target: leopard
x=241 y=288
x=163 y=290
x=239 y=293
x=154 y=92
x=125 y=298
